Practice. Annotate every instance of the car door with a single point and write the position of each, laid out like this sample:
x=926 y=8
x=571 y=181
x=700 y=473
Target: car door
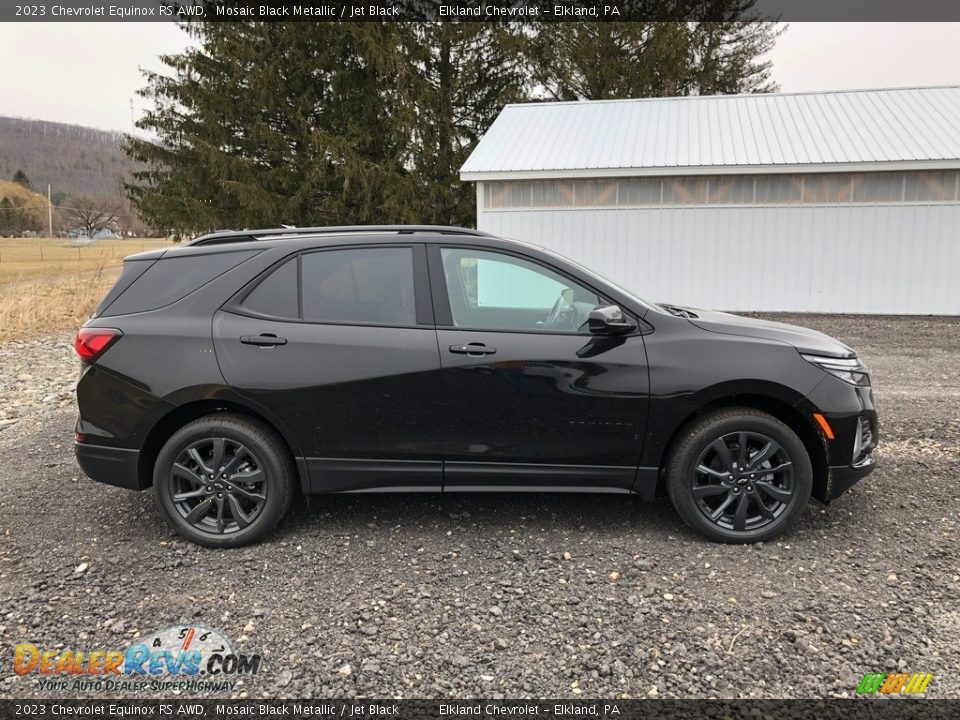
x=339 y=344
x=531 y=398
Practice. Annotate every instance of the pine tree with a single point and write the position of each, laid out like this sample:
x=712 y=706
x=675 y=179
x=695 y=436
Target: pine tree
x=7 y=220
x=596 y=61
x=20 y=178
x=266 y=124
x=466 y=73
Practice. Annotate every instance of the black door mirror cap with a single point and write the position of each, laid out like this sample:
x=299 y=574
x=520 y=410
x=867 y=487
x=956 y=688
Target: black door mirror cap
x=610 y=320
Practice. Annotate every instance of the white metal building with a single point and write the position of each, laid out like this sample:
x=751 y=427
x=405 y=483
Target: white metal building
x=814 y=202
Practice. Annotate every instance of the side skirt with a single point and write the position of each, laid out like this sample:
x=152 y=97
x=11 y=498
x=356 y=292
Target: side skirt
x=337 y=475
x=346 y=475
x=525 y=477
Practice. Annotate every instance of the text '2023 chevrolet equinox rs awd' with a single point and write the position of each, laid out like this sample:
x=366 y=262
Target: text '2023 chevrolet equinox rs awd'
x=242 y=368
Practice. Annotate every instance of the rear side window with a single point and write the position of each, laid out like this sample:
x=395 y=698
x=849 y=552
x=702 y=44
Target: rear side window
x=363 y=286
x=171 y=279
x=276 y=295
x=132 y=269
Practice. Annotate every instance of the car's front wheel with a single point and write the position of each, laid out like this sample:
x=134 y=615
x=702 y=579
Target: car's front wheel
x=739 y=475
x=223 y=480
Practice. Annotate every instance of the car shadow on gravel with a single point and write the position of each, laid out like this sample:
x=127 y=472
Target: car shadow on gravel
x=604 y=515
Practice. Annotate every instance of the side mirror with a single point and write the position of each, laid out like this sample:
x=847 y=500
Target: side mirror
x=610 y=320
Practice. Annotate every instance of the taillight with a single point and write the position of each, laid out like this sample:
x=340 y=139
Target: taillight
x=92 y=342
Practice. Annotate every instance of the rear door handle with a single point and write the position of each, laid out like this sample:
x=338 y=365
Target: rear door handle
x=475 y=349
x=264 y=340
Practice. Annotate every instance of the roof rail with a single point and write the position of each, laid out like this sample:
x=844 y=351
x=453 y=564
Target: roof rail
x=231 y=236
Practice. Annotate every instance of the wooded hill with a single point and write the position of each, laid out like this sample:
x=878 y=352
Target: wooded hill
x=72 y=158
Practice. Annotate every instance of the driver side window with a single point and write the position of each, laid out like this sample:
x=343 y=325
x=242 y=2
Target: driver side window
x=496 y=291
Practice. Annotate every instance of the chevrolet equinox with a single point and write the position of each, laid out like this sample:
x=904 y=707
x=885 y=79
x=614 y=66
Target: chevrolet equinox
x=242 y=368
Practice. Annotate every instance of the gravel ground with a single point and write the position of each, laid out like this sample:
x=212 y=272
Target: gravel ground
x=503 y=595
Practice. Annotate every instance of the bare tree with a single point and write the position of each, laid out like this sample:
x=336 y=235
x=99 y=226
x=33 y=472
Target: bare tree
x=129 y=223
x=91 y=213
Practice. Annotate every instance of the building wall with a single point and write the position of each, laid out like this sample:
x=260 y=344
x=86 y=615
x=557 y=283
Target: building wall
x=864 y=258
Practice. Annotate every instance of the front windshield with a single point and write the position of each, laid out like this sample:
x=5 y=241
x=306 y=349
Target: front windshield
x=615 y=285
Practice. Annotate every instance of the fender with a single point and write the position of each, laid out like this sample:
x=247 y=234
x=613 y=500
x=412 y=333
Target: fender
x=669 y=414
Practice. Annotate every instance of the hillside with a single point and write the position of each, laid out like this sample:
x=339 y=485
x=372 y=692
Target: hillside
x=72 y=158
x=21 y=196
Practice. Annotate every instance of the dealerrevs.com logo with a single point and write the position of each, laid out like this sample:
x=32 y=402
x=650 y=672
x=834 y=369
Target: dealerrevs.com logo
x=188 y=658
x=894 y=683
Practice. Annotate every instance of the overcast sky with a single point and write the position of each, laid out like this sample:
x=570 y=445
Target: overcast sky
x=87 y=73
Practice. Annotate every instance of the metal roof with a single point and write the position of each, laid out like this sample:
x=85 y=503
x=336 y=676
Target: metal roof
x=907 y=128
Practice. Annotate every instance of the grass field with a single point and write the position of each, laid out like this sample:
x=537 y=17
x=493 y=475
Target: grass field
x=47 y=285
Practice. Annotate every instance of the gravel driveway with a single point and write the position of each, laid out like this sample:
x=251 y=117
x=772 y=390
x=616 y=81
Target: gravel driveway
x=503 y=595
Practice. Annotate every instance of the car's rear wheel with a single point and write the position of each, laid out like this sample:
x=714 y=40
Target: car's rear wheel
x=739 y=476
x=223 y=480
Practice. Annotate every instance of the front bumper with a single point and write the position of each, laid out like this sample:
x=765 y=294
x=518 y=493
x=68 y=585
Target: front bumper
x=851 y=453
x=110 y=465
x=841 y=478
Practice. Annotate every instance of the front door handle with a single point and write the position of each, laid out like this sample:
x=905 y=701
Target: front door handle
x=264 y=340
x=475 y=349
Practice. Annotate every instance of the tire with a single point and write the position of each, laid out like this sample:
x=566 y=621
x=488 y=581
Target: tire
x=708 y=488
x=219 y=510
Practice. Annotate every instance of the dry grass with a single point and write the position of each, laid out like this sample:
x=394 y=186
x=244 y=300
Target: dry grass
x=59 y=290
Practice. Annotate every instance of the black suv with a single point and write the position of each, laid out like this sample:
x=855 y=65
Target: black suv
x=244 y=367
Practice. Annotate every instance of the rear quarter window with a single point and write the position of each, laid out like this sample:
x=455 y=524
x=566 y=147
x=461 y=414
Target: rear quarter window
x=171 y=279
x=132 y=269
x=277 y=295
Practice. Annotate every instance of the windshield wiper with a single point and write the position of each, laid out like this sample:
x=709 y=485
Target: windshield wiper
x=679 y=312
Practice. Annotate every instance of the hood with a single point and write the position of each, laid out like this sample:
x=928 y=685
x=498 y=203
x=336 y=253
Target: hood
x=803 y=339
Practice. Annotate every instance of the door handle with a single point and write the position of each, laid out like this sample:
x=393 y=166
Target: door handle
x=475 y=349
x=264 y=340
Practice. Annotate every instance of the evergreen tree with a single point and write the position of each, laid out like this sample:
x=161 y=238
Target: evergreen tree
x=7 y=220
x=596 y=61
x=20 y=178
x=466 y=73
x=268 y=124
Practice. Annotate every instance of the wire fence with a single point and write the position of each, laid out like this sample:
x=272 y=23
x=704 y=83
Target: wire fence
x=112 y=253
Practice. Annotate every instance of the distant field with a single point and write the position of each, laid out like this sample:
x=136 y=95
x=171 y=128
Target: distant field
x=47 y=285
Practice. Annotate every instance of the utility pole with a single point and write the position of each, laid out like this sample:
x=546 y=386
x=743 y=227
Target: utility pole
x=49 y=212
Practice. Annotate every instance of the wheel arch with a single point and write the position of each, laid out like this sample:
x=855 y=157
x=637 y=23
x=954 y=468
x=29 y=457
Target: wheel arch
x=777 y=406
x=187 y=412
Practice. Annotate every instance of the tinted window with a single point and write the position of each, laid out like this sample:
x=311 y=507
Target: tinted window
x=171 y=279
x=132 y=269
x=276 y=295
x=494 y=291
x=361 y=286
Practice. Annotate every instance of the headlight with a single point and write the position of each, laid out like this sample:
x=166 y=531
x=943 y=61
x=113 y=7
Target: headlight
x=849 y=370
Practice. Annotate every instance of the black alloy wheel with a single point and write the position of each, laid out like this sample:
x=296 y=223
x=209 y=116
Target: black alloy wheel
x=743 y=481
x=739 y=475
x=224 y=480
x=219 y=485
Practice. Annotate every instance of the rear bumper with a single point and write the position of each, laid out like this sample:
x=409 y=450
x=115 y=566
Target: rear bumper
x=113 y=466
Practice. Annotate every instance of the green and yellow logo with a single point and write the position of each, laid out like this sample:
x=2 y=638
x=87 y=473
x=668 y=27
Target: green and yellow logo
x=913 y=683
